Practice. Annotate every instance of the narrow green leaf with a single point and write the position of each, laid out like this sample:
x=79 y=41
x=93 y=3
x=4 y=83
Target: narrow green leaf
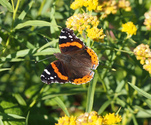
x=61 y=105
x=143 y=113
x=120 y=86
x=104 y=106
x=90 y=94
x=134 y=120
x=34 y=23
x=6 y=4
x=49 y=44
x=27 y=117
x=48 y=51
x=1 y=122
x=16 y=116
x=143 y=93
x=53 y=20
x=4 y=69
x=20 y=100
x=9 y=115
x=21 y=53
x=24 y=12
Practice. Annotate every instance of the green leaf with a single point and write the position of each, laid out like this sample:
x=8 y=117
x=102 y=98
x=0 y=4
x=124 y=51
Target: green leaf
x=63 y=93
x=104 y=106
x=4 y=69
x=16 y=116
x=48 y=51
x=1 y=122
x=90 y=94
x=49 y=44
x=6 y=4
x=24 y=12
x=53 y=20
x=61 y=105
x=143 y=113
x=20 y=100
x=21 y=53
x=27 y=118
x=134 y=120
x=34 y=23
x=143 y=93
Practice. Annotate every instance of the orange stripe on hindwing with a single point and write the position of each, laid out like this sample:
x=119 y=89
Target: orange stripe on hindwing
x=94 y=57
x=84 y=79
x=62 y=77
x=68 y=44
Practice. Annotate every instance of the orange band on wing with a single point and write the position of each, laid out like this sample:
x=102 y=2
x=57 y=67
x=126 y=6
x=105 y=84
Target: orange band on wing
x=62 y=77
x=68 y=44
x=94 y=57
x=84 y=79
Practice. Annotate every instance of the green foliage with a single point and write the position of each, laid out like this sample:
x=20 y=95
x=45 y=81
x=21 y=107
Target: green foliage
x=119 y=82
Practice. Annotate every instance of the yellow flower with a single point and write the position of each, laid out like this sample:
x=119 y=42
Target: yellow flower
x=91 y=118
x=89 y=4
x=124 y=4
x=85 y=23
x=95 y=33
x=105 y=6
x=147 y=65
x=147 y=21
x=77 y=4
x=67 y=120
x=111 y=118
x=143 y=53
x=129 y=28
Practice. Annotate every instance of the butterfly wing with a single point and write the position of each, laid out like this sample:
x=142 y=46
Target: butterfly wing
x=54 y=73
x=74 y=63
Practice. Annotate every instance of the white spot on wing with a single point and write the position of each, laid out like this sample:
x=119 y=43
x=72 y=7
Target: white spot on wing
x=62 y=31
x=62 y=37
x=51 y=77
x=70 y=36
x=42 y=76
x=46 y=71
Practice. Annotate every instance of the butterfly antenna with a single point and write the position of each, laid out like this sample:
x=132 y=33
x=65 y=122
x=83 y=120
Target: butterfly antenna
x=46 y=39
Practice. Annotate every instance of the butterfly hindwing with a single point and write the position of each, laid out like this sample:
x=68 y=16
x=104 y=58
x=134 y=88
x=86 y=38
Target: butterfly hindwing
x=54 y=73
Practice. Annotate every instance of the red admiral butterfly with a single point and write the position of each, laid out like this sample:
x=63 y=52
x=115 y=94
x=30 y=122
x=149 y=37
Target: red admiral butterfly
x=74 y=63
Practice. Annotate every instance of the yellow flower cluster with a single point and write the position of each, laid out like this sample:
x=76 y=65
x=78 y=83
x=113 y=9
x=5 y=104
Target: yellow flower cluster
x=91 y=118
x=143 y=53
x=87 y=23
x=89 y=4
x=129 y=28
x=111 y=6
x=147 y=21
x=124 y=5
x=105 y=6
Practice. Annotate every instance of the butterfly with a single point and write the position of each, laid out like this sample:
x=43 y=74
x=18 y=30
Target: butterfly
x=75 y=62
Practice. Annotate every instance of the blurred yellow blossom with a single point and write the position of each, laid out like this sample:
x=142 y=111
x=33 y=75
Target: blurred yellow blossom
x=105 y=6
x=129 y=28
x=147 y=21
x=147 y=65
x=143 y=53
x=89 y=4
x=91 y=118
x=86 y=23
x=95 y=33
x=124 y=4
